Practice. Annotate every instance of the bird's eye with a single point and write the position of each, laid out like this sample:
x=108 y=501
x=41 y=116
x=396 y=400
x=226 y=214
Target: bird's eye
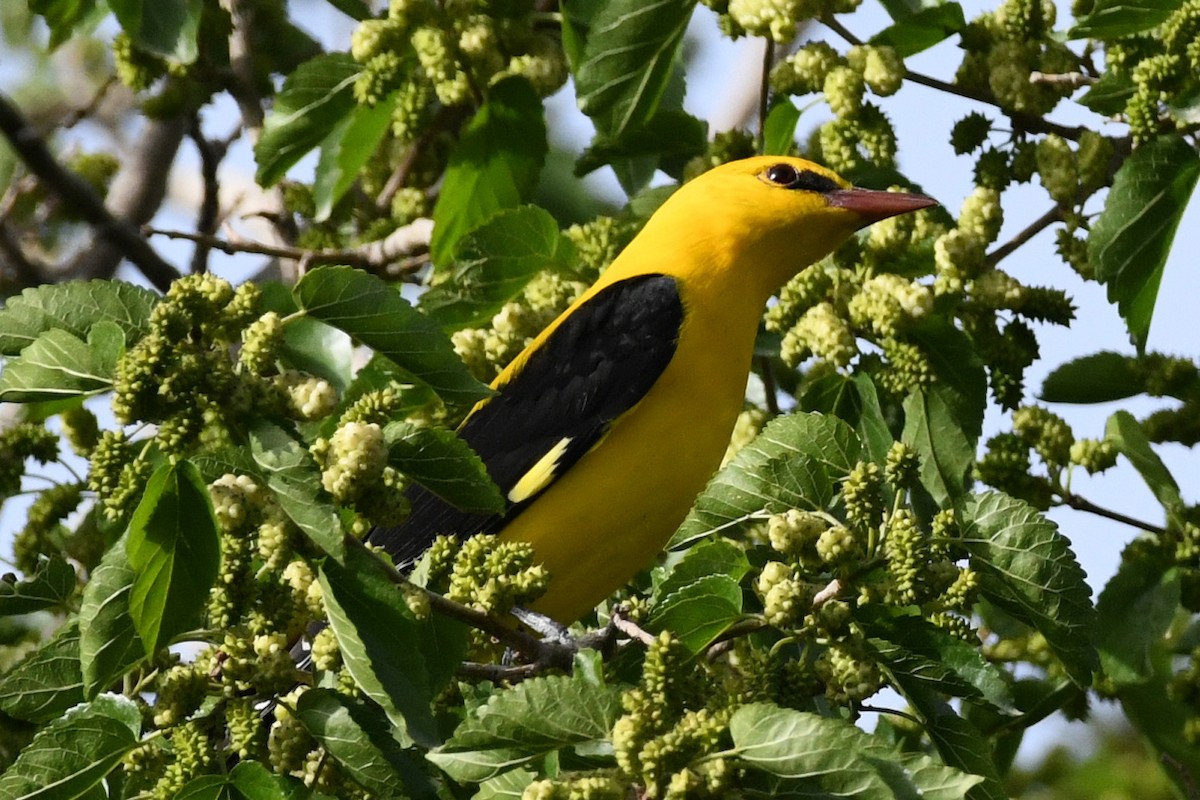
x=782 y=175
x=788 y=177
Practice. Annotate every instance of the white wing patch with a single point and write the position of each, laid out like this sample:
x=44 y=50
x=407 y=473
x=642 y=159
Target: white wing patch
x=540 y=475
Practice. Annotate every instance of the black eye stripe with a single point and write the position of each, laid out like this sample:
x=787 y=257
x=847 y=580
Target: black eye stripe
x=789 y=177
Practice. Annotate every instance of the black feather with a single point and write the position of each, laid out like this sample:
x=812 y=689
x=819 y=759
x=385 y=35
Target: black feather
x=595 y=366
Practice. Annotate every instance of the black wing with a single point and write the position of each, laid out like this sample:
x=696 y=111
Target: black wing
x=593 y=368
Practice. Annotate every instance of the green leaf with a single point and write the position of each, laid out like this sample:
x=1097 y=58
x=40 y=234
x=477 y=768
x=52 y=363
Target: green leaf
x=346 y=149
x=73 y=754
x=312 y=346
x=1112 y=19
x=47 y=681
x=669 y=134
x=1133 y=614
x=1126 y=435
x=174 y=549
x=493 y=263
x=253 y=781
x=1156 y=714
x=872 y=427
x=1130 y=241
x=700 y=611
x=165 y=27
x=1109 y=95
x=375 y=314
x=918 y=32
x=715 y=557
x=295 y=479
x=52 y=585
x=314 y=98
x=378 y=637
x=1026 y=567
x=834 y=758
x=495 y=165
x=506 y=786
x=74 y=307
x=627 y=61
x=108 y=640
x=955 y=361
x=947 y=452
x=779 y=130
x=921 y=654
x=793 y=463
x=207 y=787
x=358 y=736
x=62 y=16
x=1098 y=378
x=526 y=722
x=445 y=465
x=962 y=746
x=56 y=365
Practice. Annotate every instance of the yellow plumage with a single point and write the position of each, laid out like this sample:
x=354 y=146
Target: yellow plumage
x=618 y=434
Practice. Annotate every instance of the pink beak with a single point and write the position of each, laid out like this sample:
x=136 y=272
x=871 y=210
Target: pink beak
x=874 y=205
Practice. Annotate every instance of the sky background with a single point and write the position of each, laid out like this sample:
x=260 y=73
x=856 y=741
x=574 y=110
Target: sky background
x=922 y=117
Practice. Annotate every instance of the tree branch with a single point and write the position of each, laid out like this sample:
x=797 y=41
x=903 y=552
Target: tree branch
x=1083 y=504
x=75 y=193
x=402 y=246
x=1033 y=229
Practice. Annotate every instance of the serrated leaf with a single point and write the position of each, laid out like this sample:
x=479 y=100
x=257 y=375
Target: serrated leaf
x=175 y=551
x=377 y=636
x=919 y=651
x=1110 y=94
x=445 y=465
x=871 y=427
x=1111 y=19
x=955 y=361
x=255 y=782
x=1126 y=435
x=627 y=61
x=50 y=586
x=1098 y=378
x=526 y=722
x=295 y=479
x=700 y=611
x=358 y=736
x=835 y=758
x=495 y=165
x=1026 y=567
x=920 y=31
x=165 y=27
x=346 y=149
x=1131 y=239
x=507 y=786
x=779 y=129
x=47 y=681
x=1162 y=721
x=962 y=746
x=322 y=350
x=669 y=134
x=108 y=640
x=314 y=98
x=73 y=753
x=375 y=314
x=947 y=452
x=1133 y=613
x=74 y=307
x=493 y=263
x=793 y=463
x=57 y=365
x=715 y=557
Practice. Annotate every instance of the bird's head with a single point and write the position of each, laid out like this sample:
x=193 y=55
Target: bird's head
x=764 y=219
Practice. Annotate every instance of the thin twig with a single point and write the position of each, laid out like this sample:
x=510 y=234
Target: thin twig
x=211 y=154
x=1033 y=229
x=1074 y=80
x=1083 y=504
x=496 y=673
x=403 y=246
x=75 y=193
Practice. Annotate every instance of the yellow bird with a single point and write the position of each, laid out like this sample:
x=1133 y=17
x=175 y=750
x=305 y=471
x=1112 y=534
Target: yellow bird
x=606 y=427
